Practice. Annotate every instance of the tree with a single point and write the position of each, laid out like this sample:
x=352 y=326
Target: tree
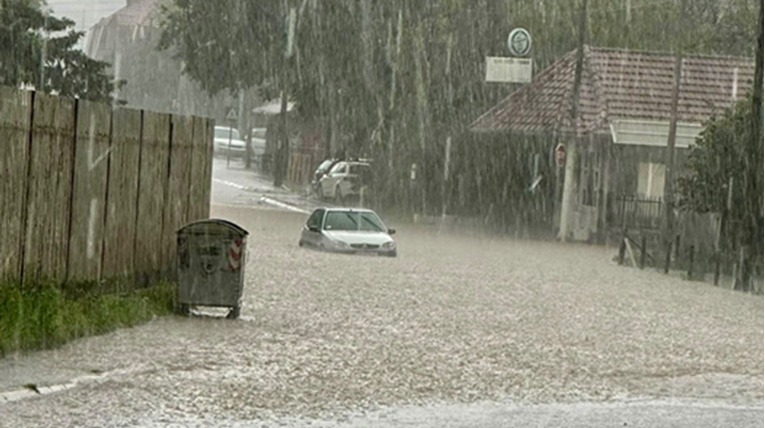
x=722 y=178
x=31 y=54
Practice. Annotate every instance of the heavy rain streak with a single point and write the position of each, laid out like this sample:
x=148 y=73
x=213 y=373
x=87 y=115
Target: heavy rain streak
x=358 y=213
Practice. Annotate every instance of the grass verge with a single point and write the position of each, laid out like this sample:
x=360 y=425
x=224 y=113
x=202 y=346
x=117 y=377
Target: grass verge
x=40 y=316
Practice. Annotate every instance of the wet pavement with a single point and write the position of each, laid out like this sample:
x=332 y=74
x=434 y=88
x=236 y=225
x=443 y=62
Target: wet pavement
x=237 y=186
x=460 y=330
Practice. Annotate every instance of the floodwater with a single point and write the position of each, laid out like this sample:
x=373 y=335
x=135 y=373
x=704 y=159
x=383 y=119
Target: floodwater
x=458 y=321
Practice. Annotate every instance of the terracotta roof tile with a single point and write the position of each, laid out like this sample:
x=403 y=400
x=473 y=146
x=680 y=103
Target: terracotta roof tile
x=620 y=84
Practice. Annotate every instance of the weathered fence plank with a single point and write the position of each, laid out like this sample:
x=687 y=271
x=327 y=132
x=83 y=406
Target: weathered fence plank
x=89 y=192
x=155 y=149
x=120 y=228
x=46 y=240
x=207 y=183
x=15 y=126
x=176 y=206
x=198 y=183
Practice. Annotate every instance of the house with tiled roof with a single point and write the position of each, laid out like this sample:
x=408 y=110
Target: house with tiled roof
x=621 y=127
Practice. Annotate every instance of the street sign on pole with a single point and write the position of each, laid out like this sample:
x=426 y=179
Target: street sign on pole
x=560 y=155
x=232 y=115
x=519 y=42
x=508 y=70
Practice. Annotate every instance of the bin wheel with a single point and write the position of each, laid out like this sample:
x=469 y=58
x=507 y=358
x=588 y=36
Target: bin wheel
x=233 y=313
x=184 y=309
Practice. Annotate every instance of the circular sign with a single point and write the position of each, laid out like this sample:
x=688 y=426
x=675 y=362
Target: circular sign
x=519 y=42
x=560 y=155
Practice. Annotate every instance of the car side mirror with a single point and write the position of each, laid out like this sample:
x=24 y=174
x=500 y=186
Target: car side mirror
x=391 y=231
x=313 y=229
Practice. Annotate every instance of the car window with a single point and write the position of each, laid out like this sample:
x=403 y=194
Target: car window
x=371 y=223
x=349 y=220
x=341 y=220
x=339 y=168
x=324 y=165
x=315 y=219
x=225 y=132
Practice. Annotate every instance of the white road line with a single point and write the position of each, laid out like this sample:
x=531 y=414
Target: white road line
x=231 y=184
x=281 y=204
x=264 y=199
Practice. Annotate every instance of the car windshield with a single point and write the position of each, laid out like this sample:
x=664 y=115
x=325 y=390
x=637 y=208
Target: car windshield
x=324 y=165
x=337 y=168
x=226 y=132
x=353 y=221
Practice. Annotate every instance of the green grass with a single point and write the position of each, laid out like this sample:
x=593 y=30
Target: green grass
x=40 y=316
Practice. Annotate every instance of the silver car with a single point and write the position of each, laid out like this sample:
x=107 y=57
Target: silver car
x=348 y=230
x=228 y=140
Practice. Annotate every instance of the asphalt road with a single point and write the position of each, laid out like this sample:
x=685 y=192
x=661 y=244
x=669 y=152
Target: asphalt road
x=461 y=330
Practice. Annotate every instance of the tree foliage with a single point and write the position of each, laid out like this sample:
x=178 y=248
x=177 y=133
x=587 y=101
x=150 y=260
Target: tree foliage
x=39 y=49
x=722 y=177
x=716 y=160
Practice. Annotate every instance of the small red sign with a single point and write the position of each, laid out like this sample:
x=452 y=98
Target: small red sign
x=560 y=155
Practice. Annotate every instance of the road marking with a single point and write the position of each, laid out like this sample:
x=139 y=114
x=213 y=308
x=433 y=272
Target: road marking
x=283 y=205
x=264 y=199
x=231 y=184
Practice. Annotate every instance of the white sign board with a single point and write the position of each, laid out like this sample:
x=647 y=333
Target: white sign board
x=508 y=70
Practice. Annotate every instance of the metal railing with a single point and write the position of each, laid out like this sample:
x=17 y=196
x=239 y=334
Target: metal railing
x=633 y=212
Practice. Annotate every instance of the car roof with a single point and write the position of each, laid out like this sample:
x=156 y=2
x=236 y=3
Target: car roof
x=341 y=209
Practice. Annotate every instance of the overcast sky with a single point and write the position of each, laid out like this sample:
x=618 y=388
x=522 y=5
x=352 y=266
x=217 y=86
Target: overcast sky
x=85 y=13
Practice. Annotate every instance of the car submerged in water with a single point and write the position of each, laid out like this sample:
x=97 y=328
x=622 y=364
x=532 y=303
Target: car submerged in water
x=348 y=230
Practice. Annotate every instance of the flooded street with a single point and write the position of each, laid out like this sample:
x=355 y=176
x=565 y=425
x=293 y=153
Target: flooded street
x=456 y=318
x=535 y=167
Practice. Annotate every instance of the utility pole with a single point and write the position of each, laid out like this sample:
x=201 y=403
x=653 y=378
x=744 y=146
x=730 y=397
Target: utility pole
x=44 y=52
x=669 y=190
x=751 y=245
x=282 y=156
x=568 y=181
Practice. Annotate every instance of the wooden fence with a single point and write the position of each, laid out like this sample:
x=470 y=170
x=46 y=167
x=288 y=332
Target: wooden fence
x=88 y=192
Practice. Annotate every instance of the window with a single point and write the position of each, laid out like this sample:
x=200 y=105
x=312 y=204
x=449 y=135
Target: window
x=371 y=223
x=350 y=220
x=340 y=168
x=341 y=220
x=651 y=180
x=315 y=219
